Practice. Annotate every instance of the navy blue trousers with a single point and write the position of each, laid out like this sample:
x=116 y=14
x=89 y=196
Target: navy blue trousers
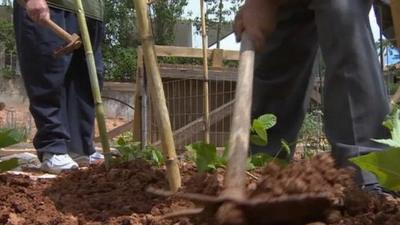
x=355 y=99
x=58 y=89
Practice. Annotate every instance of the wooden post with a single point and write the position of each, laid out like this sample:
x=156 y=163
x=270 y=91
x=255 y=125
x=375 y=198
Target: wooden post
x=94 y=82
x=395 y=5
x=157 y=95
x=205 y=68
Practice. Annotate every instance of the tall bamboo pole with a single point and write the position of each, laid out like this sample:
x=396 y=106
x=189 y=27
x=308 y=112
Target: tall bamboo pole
x=206 y=102
x=94 y=83
x=157 y=95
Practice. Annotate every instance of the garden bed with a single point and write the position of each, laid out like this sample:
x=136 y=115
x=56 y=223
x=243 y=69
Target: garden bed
x=118 y=196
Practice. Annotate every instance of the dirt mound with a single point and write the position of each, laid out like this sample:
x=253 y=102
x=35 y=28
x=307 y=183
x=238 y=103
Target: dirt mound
x=22 y=202
x=96 y=196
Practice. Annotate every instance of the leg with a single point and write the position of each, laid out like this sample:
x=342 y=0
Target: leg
x=283 y=76
x=43 y=76
x=81 y=108
x=355 y=96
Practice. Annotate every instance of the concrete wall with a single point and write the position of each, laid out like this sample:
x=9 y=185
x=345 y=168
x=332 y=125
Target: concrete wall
x=12 y=93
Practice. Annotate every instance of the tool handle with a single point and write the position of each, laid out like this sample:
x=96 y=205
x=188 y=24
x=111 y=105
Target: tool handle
x=240 y=129
x=58 y=30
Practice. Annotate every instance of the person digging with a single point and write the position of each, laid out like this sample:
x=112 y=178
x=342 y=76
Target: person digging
x=58 y=88
x=286 y=35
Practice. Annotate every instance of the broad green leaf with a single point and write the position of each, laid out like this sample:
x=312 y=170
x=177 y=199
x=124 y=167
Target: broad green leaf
x=393 y=123
x=9 y=137
x=257 y=140
x=259 y=129
x=268 y=120
x=8 y=165
x=205 y=156
x=385 y=165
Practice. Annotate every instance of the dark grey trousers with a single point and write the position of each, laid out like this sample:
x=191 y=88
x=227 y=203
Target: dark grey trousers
x=355 y=99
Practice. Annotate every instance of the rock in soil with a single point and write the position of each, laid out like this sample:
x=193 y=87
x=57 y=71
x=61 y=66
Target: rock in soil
x=99 y=197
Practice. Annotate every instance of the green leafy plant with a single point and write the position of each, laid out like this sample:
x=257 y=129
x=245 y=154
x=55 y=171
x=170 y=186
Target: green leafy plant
x=385 y=164
x=207 y=158
x=9 y=137
x=259 y=127
x=131 y=150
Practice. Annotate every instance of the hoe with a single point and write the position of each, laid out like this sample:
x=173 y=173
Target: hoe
x=233 y=206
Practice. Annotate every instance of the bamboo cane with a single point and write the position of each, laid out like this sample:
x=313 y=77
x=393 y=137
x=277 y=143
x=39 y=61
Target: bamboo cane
x=157 y=95
x=94 y=83
x=206 y=101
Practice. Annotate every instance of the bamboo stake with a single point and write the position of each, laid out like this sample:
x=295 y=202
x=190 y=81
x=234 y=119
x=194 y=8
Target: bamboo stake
x=157 y=95
x=206 y=102
x=94 y=83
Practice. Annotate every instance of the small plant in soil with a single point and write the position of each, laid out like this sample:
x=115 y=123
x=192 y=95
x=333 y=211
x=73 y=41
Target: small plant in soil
x=385 y=164
x=131 y=150
x=208 y=159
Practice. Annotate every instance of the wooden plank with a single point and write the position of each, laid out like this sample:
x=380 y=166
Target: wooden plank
x=395 y=5
x=118 y=130
x=186 y=132
x=218 y=58
x=196 y=73
x=184 y=52
x=119 y=86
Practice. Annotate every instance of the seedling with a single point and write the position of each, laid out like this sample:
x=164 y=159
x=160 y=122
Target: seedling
x=9 y=137
x=385 y=164
x=131 y=150
x=207 y=158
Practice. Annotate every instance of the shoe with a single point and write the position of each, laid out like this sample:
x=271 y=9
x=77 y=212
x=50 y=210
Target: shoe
x=84 y=160
x=55 y=164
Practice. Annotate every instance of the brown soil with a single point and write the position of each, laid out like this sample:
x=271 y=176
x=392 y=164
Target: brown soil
x=95 y=196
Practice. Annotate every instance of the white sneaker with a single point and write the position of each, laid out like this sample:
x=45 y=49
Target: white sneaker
x=84 y=160
x=53 y=163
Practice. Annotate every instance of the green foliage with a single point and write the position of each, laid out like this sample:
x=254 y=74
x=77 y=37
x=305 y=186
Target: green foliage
x=385 y=164
x=259 y=129
x=8 y=165
x=9 y=137
x=393 y=124
x=122 y=38
x=205 y=156
x=166 y=15
x=131 y=150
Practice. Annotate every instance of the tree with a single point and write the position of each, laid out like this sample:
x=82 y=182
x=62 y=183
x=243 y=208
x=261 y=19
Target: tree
x=218 y=13
x=166 y=15
x=120 y=41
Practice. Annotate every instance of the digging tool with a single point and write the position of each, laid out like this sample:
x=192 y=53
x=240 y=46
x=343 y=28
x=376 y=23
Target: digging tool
x=233 y=206
x=73 y=41
x=94 y=82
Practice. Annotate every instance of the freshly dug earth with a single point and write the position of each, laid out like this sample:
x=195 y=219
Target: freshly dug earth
x=95 y=196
